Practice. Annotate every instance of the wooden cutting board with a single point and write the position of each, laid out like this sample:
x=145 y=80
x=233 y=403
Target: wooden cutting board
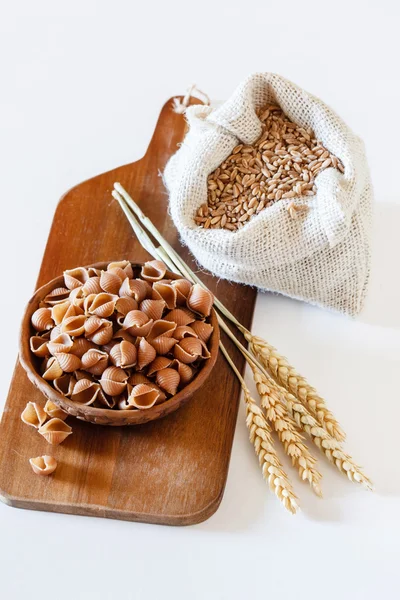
x=172 y=471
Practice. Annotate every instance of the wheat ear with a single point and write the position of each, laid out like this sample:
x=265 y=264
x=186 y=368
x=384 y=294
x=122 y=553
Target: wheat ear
x=321 y=438
x=260 y=437
x=287 y=432
x=286 y=376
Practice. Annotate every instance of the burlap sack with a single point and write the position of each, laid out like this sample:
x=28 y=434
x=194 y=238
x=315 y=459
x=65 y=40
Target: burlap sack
x=323 y=257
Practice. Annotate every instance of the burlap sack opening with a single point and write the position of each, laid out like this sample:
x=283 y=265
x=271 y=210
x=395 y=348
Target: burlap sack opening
x=322 y=258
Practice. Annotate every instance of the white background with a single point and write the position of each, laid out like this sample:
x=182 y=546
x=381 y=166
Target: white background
x=81 y=85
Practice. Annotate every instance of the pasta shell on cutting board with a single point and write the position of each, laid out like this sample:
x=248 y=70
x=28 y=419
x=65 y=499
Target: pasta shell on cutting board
x=55 y=431
x=33 y=415
x=54 y=411
x=43 y=465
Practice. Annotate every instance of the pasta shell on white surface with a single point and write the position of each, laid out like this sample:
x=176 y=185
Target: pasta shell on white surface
x=62 y=343
x=42 y=319
x=180 y=317
x=133 y=288
x=159 y=363
x=51 y=369
x=57 y=296
x=184 y=331
x=74 y=278
x=113 y=381
x=162 y=344
x=80 y=346
x=85 y=391
x=168 y=379
x=161 y=328
x=188 y=350
x=153 y=270
x=43 y=465
x=92 y=286
x=110 y=282
x=203 y=330
x=77 y=297
x=74 y=326
x=166 y=292
x=152 y=308
x=99 y=331
x=95 y=361
x=182 y=287
x=65 y=385
x=143 y=396
x=101 y=305
x=124 y=355
x=137 y=323
x=54 y=411
x=200 y=300
x=33 y=415
x=68 y=362
x=125 y=265
x=145 y=353
x=58 y=311
x=38 y=345
x=186 y=372
x=55 y=431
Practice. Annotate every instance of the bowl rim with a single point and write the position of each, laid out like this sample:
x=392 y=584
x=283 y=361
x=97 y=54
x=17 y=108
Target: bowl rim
x=107 y=416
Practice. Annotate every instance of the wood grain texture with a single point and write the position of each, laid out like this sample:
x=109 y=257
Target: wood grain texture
x=171 y=471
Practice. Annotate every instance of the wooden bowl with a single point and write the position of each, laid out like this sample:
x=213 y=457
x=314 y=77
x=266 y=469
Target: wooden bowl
x=105 y=416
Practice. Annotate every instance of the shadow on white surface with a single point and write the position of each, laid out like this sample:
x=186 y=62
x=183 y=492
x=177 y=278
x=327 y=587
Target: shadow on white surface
x=382 y=303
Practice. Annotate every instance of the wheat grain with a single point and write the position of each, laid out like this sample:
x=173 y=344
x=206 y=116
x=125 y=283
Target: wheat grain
x=260 y=437
x=287 y=432
x=286 y=376
x=282 y=164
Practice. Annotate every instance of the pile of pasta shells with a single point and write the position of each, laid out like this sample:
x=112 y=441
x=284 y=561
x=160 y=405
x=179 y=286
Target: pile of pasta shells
x=124 y=338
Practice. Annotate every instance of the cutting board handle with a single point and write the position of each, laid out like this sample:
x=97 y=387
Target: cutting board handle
x=168 y=131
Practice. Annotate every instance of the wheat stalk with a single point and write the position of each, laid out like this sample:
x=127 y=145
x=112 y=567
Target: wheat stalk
x=308 y=409
x=291 y=380
x=321 y=438
x=287 y=432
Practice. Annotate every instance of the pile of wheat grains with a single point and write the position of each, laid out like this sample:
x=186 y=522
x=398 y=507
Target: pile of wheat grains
x=282 y=164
